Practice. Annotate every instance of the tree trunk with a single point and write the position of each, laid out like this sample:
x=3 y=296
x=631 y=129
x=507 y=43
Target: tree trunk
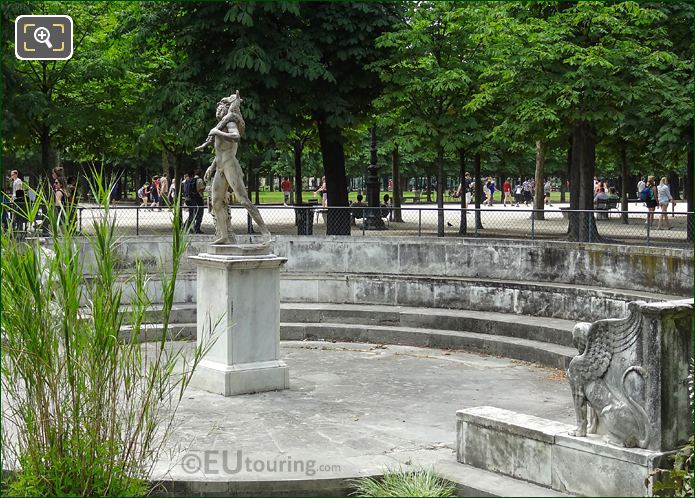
x=463 y=226
x=478 y=190
x=440 y=192
x=174 y=165
x=539 y=195
x=567 y=175
x=333 y=157
x=674 y=185
x=396 y=215
x=624 y=186
x=46 y=156
x=165 y=163
x=429 y=188
x=689 y=191
x=298 y=149
x=582 y=226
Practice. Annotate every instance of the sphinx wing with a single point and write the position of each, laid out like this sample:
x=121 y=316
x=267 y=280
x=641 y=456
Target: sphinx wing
x=607 y=337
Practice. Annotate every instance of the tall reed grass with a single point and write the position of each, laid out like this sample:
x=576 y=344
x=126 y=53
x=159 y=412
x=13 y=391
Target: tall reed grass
x=84 y=410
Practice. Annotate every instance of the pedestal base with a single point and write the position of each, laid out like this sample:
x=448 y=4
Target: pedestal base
x=542 y=452
x=238 y=308
x=241 y=379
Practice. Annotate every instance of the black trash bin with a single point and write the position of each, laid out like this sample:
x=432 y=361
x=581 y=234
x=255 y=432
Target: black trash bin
x=304 y=219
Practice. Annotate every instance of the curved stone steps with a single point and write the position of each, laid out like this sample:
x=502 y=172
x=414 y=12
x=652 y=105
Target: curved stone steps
x=551 y=355
x=546 y=341
x=547 y=354
x=550 y=330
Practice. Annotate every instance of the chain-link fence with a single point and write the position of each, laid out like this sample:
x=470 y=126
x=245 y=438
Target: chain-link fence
x=613 y=226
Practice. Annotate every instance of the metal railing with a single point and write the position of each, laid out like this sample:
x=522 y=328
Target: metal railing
x=508 y=222
x=422 y=221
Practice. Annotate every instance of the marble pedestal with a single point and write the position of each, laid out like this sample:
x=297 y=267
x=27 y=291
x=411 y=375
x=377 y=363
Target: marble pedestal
x=239 y=309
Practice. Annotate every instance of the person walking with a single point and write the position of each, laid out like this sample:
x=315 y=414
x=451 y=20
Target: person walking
x=59 y=199
x=649 y=197
x=640 y=187
x=17 y=184
x=491 y=188
x=526 y=188
x=164 y=189
x=547 y=188
x=193 y=190
x=323 y=190
x=518 y=192
x=286 y=187
x=665 y=198
x=143 y=194
x=154 y=193
x=507 y=189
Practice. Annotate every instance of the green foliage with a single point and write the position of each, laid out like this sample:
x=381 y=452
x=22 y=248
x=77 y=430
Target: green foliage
x=400 y=482
x=485 y=77
x=84 y=106
x=85 y=411
x=678 y=481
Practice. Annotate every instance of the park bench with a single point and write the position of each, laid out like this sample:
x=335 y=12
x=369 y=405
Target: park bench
x=415 y=198
x=604 y=207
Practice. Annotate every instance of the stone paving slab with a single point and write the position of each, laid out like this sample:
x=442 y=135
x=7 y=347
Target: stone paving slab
x=352 y=409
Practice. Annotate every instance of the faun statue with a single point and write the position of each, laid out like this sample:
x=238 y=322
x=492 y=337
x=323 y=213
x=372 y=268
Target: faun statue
x=227 y=170
x=603 y=403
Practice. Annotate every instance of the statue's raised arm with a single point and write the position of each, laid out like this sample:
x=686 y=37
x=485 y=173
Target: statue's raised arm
x=227 y=171
x=225 y=119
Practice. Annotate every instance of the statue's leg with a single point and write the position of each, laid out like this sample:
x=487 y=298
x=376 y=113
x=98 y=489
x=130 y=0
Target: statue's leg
x=219 y=208
x=235 y=177
x=579 y=409
x=592 y=415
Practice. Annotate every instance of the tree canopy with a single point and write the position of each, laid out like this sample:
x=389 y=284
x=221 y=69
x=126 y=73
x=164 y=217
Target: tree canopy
x=607 y=85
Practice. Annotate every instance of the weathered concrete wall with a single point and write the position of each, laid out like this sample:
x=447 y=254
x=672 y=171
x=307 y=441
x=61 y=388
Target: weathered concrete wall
x=535 y=299
x=500 y=276
x=658 y=270
x=664 y=271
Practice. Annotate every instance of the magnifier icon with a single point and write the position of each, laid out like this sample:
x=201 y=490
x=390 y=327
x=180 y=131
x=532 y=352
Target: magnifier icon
x=42 y=35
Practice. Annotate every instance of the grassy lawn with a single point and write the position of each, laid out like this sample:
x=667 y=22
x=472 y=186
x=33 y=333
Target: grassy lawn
x=277 y=198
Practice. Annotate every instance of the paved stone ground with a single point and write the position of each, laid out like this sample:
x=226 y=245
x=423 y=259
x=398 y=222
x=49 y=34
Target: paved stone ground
x=418 y=219
x=352 y=409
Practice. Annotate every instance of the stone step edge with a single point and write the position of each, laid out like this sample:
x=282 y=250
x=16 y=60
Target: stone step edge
x=547 y=354
x=386 y=308
x=383 y=312
x=471 y=481
x=562 y=324
x=385 y=328
x=452 y=333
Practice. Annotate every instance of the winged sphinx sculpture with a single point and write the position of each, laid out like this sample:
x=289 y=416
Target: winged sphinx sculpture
x=603 y=403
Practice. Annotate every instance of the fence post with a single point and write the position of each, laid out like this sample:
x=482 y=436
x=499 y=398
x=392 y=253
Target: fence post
x=533 y=224
x=648 y=230
x=591 y=226
x=364 y=228
x=475 y=220
x=419 y=222
x=137 y=220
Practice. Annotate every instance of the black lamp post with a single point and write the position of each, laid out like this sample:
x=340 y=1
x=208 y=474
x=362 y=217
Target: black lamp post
x=372 y=219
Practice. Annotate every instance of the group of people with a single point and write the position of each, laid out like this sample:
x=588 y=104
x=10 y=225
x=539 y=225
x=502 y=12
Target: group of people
x=156 y=192
x=63 y=196
x=653 y=195
x=161 y=192
x=513 y=193
x=358 y=207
